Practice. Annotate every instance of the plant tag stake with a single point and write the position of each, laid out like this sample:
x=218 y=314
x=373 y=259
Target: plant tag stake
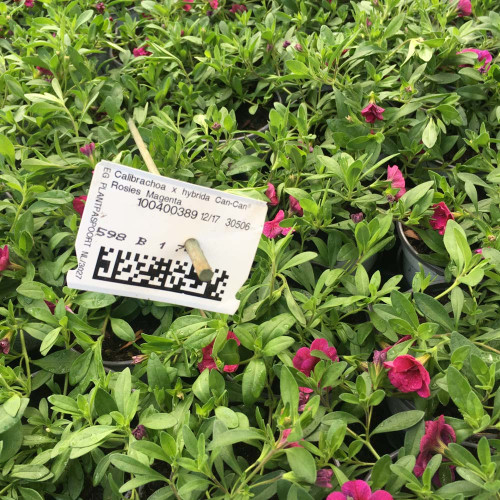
x=133 y=232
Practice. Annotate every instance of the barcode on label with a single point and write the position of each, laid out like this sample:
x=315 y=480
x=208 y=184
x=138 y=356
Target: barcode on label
x=129 y=268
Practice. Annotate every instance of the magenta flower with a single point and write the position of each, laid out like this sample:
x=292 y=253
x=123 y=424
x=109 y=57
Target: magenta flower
x=272 y=228
x=4 y=258
x=138 y=359
x=464 y=8
x=380 y=356
x=44 y=71
x=139 y=432
x=372 y=112
x=440 y=217
x=214 y=4
x=271 y=194
x=79 y=204
x=52 y=307
x=298 y=47
x=358 y=490
x=482 y=55
x=304 y=395
x=186 y=5
x=141 y=51
x=209 y=362
x=324 y=478
x=305 y=362
x=295 y=207
x=438 y=435
x=5 y=345
x=283 y=440
x=236 y=7
x=29 y=3
x=407 y=374
x=478 y=250
x=395 y=177
x=286 y=44
x=100 y=7
x=88 y=149
x=357 y=218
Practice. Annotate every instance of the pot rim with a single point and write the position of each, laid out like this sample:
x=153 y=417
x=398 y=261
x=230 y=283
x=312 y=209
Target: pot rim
x=118 y=364
x=404 y=240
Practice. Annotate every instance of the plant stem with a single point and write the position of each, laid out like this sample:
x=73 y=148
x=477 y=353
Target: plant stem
x=365 y=441
x=27 y=361
x=256 y=470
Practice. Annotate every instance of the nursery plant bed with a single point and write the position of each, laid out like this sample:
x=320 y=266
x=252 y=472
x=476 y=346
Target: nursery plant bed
x=219 y=403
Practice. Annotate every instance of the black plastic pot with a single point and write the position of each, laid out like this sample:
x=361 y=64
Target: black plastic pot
x=117 y=366
x=412 y=260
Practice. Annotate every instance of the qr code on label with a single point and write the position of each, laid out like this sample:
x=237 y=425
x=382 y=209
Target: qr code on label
x=129 y=268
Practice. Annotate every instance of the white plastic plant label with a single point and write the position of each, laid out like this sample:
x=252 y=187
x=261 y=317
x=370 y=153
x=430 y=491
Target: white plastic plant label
x=132 y=234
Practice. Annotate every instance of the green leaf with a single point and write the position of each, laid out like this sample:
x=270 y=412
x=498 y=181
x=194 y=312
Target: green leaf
x=458 y=387
x=246 y=164
x=458 y=489
x=29 y=494
x=32 y=290
x=49 y=341
x=104 y=402
x=159 y=421
x=309 y=206
x=30 y=472
x=276 y=327
x=133 y=466
x=193 y=483
x=7 y=149
x=91 y=435
x=299 y=259
x=297 y=67
x=122 y=329
x=11 y=440
x=381 y=472
x=122 y=390
x=254 y=380
x=433 y=310
x=462 y=456
x=430 y=135
x=456 y=244
x=233 y=436
x=277 y=345
x=228 y=416
x=289 y=390
x=94 y=300
x=404 y=308
x=302 y=464
x=58 y=362
x=151 y=450
x=399 y=421
x=394 y=26
x=415 y=194
x=201 y=386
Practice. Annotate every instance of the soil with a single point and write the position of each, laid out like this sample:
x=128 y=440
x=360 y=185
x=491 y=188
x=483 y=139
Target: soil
x=249 y=453
x=246 y=121
x=469 y=153
x=112 y=346
x=91 y=492
x=164 y=469
x=112 y=349
x=417 y=244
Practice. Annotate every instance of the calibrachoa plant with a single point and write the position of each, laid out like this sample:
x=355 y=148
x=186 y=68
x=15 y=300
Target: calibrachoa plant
x=363 y=361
